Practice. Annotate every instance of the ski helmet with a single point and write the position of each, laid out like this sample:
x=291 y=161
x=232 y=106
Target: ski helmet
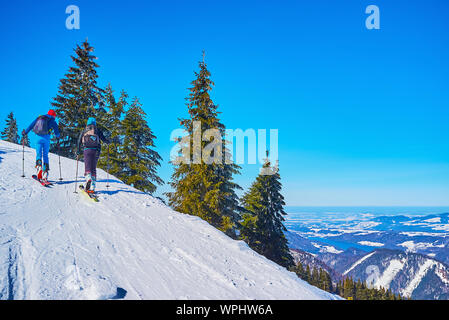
x=91 y=121
x=52 y=113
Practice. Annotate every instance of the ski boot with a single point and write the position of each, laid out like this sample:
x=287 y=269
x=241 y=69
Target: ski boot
x=38 y=167
x=90 y=183
x=93 y=184
x=45 y=170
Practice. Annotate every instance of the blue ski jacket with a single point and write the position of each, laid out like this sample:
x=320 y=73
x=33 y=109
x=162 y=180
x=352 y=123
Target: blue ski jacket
x=51 y=125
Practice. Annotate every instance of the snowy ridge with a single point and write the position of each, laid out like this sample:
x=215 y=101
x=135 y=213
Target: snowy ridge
x=55 y=244
x=409 y=274
x=389 y=274
x=413 y=284
x=358 y=262
x=441 y=273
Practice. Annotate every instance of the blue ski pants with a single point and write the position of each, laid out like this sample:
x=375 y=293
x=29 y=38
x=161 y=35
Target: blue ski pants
x=42 y=148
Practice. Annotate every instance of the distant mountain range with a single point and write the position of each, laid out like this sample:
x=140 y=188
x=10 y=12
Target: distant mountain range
x=409 y=255
x=409 y=274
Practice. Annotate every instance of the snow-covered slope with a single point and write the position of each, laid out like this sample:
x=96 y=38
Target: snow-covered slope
x=409 y=274
x=55 y=244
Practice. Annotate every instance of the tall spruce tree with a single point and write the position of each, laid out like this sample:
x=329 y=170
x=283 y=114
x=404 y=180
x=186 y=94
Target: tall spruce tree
x=112 y=121
x=262 y=226
x=10 y=132
x=206 y=190
x=77 y=99
x=141 y=160
x=325 y=281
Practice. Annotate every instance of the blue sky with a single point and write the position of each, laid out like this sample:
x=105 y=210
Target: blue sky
x=363 y=115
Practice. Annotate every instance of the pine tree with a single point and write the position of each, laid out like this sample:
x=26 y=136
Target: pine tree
x=299 y=270
x=325 y=281
x=112 y=122
x=348 y=289
x=78 y=98
x=10 y=132
x=307 y=274
x=264 y=203
x=360 y=290
x=24 y=140
x=249 y=234
x=141 y=160
x=315 y=278
x=205 y=189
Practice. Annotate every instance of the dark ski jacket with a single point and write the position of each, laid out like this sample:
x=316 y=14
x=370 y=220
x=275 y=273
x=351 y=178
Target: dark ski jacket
x=100 y=135
x=51 y=125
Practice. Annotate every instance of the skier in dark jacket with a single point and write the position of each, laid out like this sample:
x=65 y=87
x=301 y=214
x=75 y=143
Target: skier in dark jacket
x=90 y=140
x=43 y=126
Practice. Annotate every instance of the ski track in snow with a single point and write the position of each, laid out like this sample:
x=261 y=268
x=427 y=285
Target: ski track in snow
x=55 y=244
x=355 y=264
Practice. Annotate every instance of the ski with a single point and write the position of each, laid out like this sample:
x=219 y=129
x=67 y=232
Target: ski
x=91 y=196
x=43 y=183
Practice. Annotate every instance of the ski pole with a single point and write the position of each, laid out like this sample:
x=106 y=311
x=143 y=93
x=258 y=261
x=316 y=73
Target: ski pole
x=59 y=156
x=107 y=170
x=76 y=176
x=23 y=158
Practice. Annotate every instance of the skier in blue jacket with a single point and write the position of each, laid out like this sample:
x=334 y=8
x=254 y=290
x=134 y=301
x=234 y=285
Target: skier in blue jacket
x=43 y=126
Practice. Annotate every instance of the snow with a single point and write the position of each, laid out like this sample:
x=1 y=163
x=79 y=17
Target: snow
x=355 y=264
x=429 y=223
x=327 y=249
x=389 y=273
x=441 y=273
x=413 y=247
x=420 y=233
x=55 y=244
x=371 y=244
x=330 y=249
x=366 y=233
x=413 y=284
x=441 y=227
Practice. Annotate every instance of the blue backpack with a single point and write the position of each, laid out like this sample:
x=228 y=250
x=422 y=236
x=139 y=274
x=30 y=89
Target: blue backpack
x=41 y=126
